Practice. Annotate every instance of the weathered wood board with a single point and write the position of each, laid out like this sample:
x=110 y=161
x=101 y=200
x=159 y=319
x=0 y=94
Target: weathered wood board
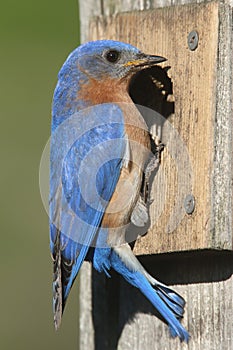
x=191 y=155
x=113 y=314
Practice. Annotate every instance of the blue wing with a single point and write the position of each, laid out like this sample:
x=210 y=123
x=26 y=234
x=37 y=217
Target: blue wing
x=86 y=158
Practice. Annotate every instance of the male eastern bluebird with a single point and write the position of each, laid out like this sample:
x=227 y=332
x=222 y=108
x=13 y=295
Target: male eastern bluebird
x=100 y=147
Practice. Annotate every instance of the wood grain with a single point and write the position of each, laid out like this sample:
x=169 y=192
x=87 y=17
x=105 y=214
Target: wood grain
x=187 y=165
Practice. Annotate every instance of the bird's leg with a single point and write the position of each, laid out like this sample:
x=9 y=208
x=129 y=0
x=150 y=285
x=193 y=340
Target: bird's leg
x=140 y=215
x=152 y=164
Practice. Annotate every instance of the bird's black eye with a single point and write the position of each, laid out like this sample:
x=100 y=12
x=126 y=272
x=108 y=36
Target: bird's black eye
x=112 y=56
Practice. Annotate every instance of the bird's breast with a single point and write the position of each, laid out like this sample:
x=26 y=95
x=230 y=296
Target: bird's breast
x=127 y=190
x=105 y=90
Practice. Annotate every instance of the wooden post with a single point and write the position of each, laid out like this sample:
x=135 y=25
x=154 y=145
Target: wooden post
x=192 y=252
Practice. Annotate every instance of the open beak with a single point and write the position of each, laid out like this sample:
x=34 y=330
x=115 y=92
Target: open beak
x=144 y=61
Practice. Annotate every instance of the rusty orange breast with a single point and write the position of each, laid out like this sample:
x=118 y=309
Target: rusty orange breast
x=104 y=91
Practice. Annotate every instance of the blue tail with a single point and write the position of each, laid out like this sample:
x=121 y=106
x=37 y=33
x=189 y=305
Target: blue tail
x=168 y=303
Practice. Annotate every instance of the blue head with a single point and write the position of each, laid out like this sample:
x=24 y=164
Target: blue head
x=96 y=60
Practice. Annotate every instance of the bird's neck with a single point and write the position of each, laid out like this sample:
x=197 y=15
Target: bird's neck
x=104 y=91
x=77 y=94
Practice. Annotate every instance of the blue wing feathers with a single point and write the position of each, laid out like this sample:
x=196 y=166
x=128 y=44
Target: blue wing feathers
x=84 y=196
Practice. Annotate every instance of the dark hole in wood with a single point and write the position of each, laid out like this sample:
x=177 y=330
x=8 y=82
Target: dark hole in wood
x=152 y=88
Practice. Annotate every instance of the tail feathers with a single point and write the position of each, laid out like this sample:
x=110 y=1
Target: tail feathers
x=62 y=269
x=173 y=300
x=57 y=305
x=165 y=307
x=57 y=291
x=167 y=302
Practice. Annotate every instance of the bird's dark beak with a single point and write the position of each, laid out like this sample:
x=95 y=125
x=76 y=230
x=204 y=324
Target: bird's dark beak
x=144 y=61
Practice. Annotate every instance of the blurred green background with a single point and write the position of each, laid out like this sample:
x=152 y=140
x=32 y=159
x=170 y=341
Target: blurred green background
x=36 y=37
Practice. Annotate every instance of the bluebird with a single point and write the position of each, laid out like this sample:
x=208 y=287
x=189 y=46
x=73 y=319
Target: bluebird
x=100 y=149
